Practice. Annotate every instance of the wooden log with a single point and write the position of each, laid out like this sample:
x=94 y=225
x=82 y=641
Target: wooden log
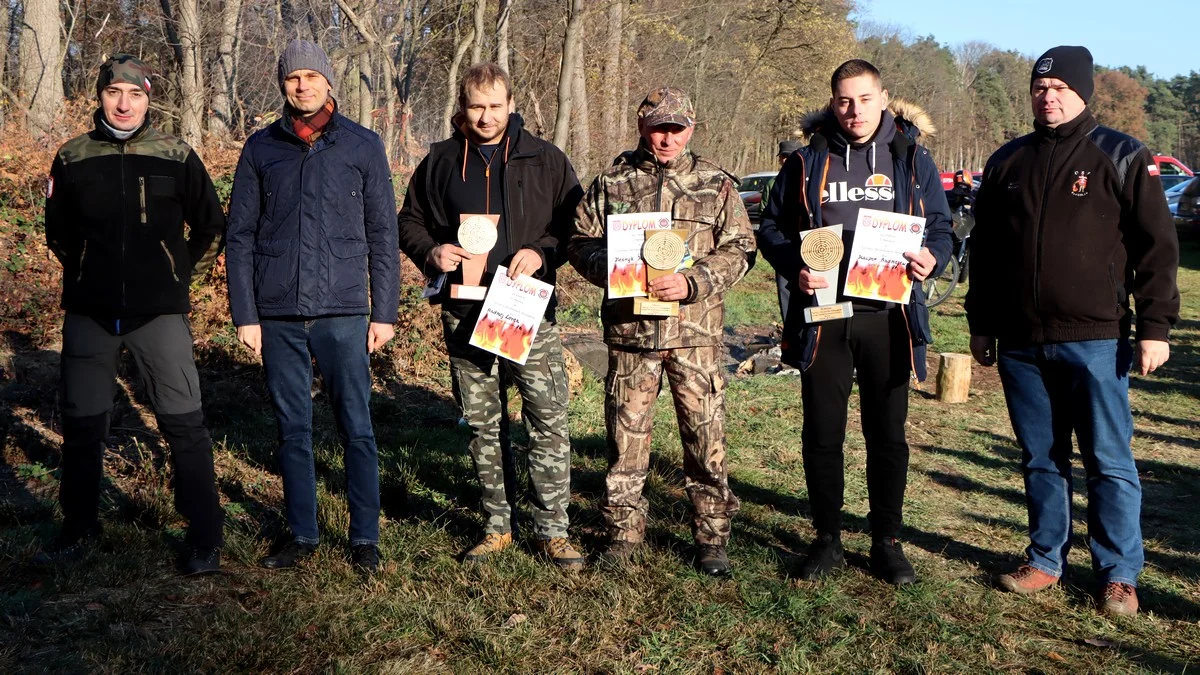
x=954 y=378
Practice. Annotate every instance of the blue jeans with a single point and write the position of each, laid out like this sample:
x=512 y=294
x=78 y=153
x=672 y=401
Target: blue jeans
x=339 y=344
x=1082 y=387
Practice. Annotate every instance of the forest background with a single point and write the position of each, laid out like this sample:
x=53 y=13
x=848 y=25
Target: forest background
x=579 y=67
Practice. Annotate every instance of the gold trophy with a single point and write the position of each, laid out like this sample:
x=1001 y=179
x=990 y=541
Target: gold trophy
x=477 y=235
x=662 y=252
x=822 y=250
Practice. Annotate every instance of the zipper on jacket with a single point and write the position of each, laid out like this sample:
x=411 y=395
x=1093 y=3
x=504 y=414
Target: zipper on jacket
x=142 y=196
x=170 y=259
x=124 y=230
x=1037 y=252
x=82 y=256
x=658 y=207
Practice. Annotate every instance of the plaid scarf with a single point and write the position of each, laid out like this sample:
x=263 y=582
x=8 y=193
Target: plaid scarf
x=309 y=130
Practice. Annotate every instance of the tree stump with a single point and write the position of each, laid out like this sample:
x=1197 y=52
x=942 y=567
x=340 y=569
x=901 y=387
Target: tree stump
x=954 y=378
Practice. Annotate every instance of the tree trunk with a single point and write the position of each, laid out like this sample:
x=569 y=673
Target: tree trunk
x=623 y=133
x=40 y=53
x=582 y=144
x=223 y=73
x=366 y=96
x=191 y=76
x=613 y=103
x=502 y=16
x=566 y=75
x=477 y=43
x=4 y=28
x=460 y=51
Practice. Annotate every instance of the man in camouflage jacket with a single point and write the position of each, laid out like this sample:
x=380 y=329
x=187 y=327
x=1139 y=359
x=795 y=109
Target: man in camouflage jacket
x=663 y=175
x=116 y=203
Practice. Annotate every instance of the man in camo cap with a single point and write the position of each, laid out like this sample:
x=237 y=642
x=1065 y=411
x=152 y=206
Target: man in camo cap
x=662 y=174
x=116 y=203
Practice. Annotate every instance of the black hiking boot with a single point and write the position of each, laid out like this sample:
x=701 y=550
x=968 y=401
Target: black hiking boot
x=824 y=556
x=288 y=556
x=888 y=562
x=69 y=546
x=202 y=561
x=364 y=558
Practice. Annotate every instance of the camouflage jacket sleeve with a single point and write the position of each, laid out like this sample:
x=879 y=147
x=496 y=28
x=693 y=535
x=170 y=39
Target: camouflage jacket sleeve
x=733 y=254
x=587 y=249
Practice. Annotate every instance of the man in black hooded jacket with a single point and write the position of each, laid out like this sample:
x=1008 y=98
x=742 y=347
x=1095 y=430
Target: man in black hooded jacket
x=491 y=165
x=860 y=155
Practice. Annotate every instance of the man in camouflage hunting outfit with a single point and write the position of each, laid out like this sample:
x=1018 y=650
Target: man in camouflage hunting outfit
x=116 y=203
x=663 y=175
x=492 y=165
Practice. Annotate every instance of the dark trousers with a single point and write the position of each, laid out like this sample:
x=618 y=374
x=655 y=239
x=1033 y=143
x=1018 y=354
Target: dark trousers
x=339 y=344
x=877 y=346
x=162 y=349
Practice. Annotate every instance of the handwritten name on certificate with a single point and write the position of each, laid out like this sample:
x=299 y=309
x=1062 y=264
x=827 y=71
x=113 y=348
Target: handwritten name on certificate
x=626 y=235
x=511 y=315
x=878 y=269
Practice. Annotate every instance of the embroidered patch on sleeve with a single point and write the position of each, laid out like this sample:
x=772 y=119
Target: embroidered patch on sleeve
x=1153 y=169
x=49 y=187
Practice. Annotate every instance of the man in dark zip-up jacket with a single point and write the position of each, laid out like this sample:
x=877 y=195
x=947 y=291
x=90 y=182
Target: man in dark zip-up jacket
x=862 y=153
x=116 y=204
x=314 y=273
x=1070 y=220
x=491 y=165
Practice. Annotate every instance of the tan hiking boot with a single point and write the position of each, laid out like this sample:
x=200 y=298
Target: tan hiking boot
x=561 y=553
x=1119 y=600
x=1027 y=580
x=492 y=543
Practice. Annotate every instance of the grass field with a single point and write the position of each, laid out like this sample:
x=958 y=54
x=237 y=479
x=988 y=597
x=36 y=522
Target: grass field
x=121 y=609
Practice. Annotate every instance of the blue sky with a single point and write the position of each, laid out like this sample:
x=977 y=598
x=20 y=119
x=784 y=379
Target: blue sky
x=1159 y=34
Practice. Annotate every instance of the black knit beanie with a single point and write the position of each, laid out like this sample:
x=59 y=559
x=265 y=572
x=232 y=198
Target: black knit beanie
x=1072 y=65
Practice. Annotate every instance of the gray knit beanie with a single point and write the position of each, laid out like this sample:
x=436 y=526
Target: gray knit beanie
x=304 y=55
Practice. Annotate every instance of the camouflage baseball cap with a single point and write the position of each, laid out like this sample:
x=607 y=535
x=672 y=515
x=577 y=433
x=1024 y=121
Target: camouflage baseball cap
x=667 y=105
x=125 y=68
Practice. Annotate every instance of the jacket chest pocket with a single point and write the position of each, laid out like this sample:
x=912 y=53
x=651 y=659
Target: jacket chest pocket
x=350 y=204
x=700 y=220
x=158 y=201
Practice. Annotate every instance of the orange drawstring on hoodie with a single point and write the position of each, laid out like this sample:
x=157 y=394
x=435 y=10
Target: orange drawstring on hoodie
x=487 y=171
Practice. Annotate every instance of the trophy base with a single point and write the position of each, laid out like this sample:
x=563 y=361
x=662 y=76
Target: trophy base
x=464 y=292
x=842 y=310
x=648 y=307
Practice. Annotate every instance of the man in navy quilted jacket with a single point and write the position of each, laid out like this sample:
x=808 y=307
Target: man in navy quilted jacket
x=314 y=272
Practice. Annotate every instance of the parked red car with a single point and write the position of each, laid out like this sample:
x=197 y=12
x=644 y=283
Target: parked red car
x=948 y=179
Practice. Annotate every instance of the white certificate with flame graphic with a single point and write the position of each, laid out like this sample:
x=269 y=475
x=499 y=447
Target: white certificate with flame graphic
x=878 y=269
x=511 y=315
x=626 y=235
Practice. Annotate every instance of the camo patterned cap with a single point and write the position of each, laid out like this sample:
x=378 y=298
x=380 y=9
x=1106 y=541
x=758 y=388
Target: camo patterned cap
x=125 y=68
x=667 y=105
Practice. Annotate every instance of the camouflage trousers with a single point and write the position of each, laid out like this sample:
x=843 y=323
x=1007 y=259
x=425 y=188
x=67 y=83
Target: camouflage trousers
x=542 y=383
x=697 y=384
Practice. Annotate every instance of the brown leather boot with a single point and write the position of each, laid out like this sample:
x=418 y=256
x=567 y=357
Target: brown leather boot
x=1027 y=580
x=1119 y=600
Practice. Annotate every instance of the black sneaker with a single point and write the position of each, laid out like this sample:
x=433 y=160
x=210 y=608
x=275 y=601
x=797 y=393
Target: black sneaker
x=288 y=556
x=69 y=546
x=888 y=562
x=202 y=561
x=824 y=556
x=712 y=560
x=365 y=558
